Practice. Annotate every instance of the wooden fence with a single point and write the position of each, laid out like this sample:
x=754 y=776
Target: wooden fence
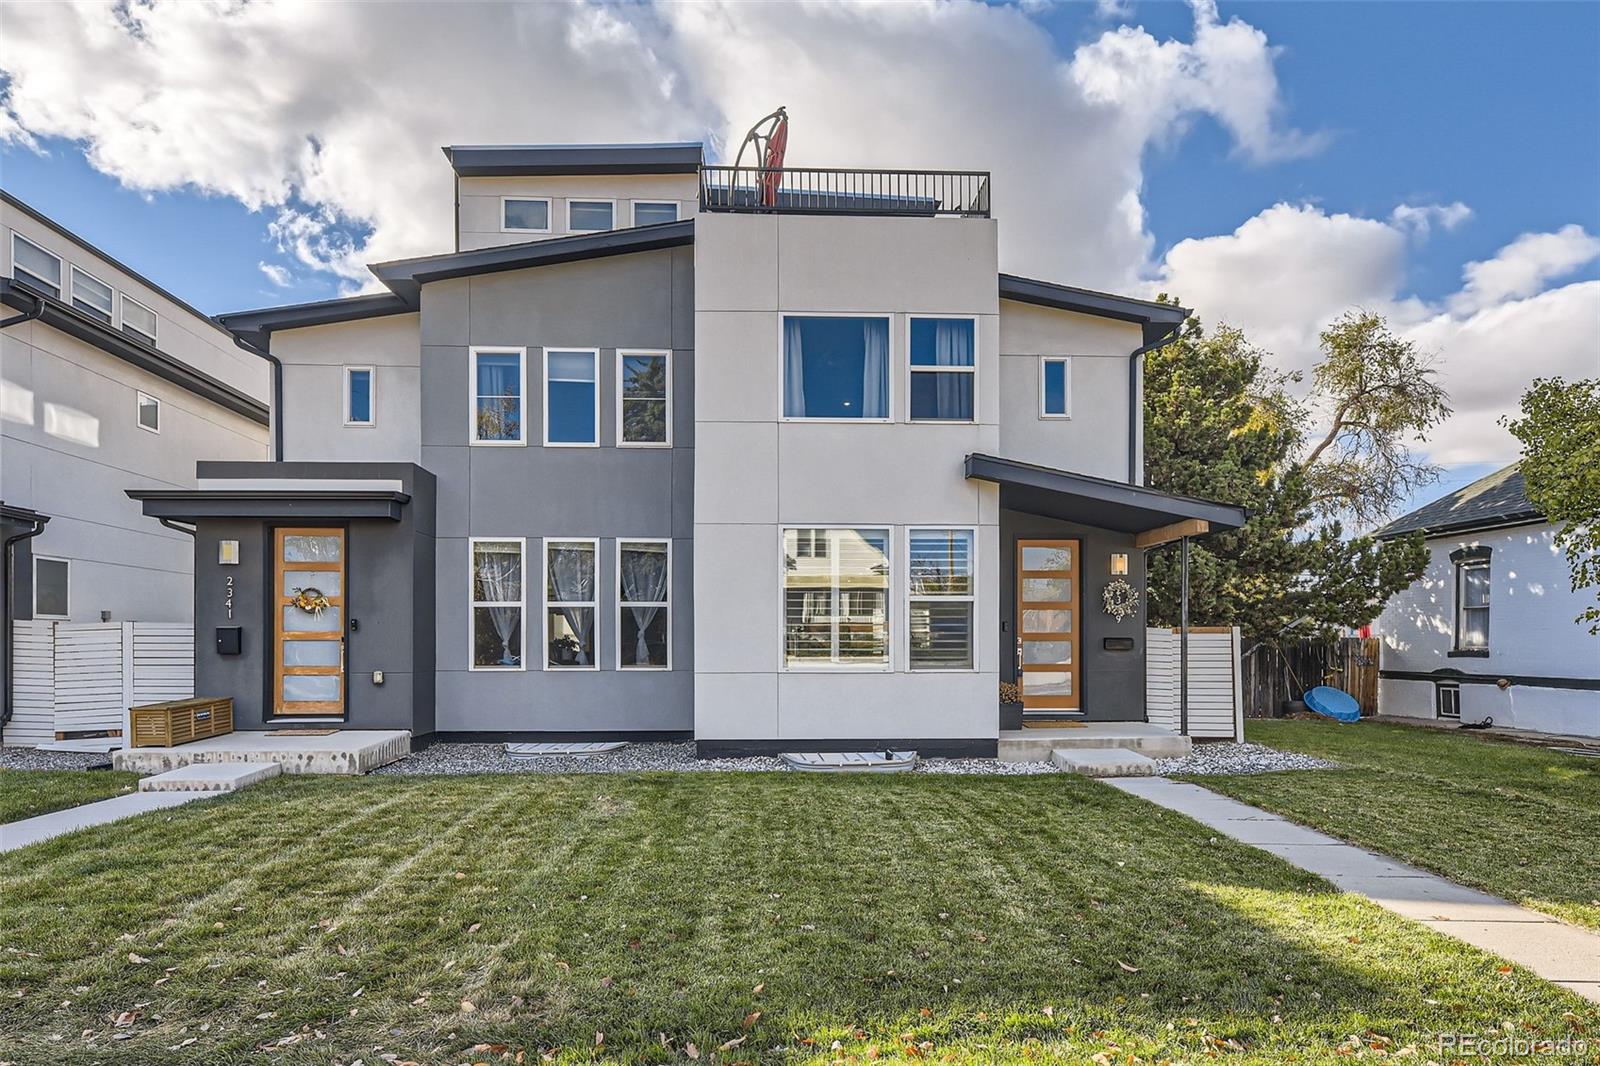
x=80 y=678
x=1271 y=675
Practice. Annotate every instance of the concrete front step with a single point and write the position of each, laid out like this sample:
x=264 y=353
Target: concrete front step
x=1036 y=745
x=1104 y=762
x=347 y=751
x=211 y=777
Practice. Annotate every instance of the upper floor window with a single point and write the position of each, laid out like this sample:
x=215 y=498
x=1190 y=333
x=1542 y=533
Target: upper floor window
x=1472 y=600
x=358 y=395
x=138 y=319
x=525 y=214
x=943 y=369
x=571 y=396
x=497 y=391
x=836 y=603
x=1055 y=388
x=835 y=367
x=654 y=212
x=52 y=580
x=149 y=413
x=644 y=398
x=91 y=295
x=34 y=265
x=590 y=216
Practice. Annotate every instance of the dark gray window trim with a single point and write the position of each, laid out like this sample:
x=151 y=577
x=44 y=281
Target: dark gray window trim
x=255 y=327
x=1477 y=551
x=190 y=504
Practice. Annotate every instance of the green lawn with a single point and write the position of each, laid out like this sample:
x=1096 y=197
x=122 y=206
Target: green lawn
x=759 y=917
x=1520 y=821
x=25 y=793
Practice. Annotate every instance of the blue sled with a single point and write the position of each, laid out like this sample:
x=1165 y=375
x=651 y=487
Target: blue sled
x=1334 y=703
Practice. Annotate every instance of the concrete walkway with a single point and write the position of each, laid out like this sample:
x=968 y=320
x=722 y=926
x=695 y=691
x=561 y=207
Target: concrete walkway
x=42 y=827
x=1556 y=951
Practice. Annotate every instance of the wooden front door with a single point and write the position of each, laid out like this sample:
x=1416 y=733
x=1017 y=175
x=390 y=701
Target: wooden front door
x=1047 y=624
x=308 y=577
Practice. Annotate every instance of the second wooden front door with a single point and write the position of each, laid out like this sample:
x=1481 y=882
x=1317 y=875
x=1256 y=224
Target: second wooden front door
x=308 y=601
x=1047 y=625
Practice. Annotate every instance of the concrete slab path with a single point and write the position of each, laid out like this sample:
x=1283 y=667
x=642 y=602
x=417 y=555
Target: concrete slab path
x=1556 y=951
x=42 y=827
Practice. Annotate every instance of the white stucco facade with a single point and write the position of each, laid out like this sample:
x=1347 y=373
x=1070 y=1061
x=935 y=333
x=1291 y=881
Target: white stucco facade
x=480 y=217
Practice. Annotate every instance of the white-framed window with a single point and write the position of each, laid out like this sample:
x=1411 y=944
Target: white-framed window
x=34 y=265
x=941 y=597
x=836 y=604
x=138 y=319
x=497 y=582
x=572 y=397
x=644 y=604
x=1055 y=387
x=644 y=398
x=571 y=596
x=1447 y=699
x=654 y=212
x=498 y=380
x=1472 y=601
x=835 y=367
x=52 y=587
x=591 y=216
x=943 y=357
x=149 y=412
x=360 y=396
x=524 y=214
x=92 y=296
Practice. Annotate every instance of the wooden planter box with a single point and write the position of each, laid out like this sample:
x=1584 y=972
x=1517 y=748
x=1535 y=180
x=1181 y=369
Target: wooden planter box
x=164 y=725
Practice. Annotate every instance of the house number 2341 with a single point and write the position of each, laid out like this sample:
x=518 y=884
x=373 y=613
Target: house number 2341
x=227 y=599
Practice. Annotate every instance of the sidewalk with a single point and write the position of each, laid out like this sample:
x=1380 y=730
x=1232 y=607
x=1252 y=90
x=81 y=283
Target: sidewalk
x=42 y=827
x=1558 y=952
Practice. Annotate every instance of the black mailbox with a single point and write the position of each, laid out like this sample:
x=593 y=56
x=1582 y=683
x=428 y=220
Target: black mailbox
x=230 y=640
x=1117 y=643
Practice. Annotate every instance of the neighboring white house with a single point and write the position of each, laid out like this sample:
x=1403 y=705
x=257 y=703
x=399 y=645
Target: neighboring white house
x=1489 y=630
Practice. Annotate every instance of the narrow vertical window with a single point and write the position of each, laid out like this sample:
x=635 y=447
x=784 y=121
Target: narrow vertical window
x=942 y=596
x=92 y=296
x=358 y=395
x=1472 y=601
x=497 y=395
x=943 y=369
x=644 y=397
x=1055 y=388
x=51 y=586
x=497 y=603
x=571 y=396
x=644 y=583
x=836 y=602
x=571 y=579
x=654 y=212
x=589 y=216
x=138 y=319
x=149 y=413
x=34 y=265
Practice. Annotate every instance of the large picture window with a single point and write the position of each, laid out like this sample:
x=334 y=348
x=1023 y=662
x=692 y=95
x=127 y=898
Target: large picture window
x=941 y=598
x=644 y=398
x=644 y=585
x=571 y=397
x=835 y=367
x=943 y=369
x=497 y=393
x=571 y=578
x=1472 y=601
x=836 y=601
x=497 y=603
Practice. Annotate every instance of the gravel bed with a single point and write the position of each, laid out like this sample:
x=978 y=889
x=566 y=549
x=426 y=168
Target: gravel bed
x=1219 y=759
x=34 y=759
x=637 y=758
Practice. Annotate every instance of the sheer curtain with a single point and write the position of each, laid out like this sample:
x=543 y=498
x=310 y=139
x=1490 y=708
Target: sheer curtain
x=875 y=368
x=952 y=346
x=500 y=578
x=572 y=574
x=794 y=370
x=499 y=399
x=644 y=577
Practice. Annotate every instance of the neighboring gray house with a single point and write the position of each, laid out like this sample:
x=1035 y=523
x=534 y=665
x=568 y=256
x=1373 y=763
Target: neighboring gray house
x=107 y=381
x=664 y=450
x=1489 y=629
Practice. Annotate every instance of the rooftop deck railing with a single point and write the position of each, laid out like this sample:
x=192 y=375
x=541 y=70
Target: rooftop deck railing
x=823 y=191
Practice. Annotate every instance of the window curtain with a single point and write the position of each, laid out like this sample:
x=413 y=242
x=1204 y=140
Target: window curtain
x=952 y=346
x=875 y=368
x=644 y=577
x=572 y=573
x=500 y=578
x=794 y=370
x=499 y=402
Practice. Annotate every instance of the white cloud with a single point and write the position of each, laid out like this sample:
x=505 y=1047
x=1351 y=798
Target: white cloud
x=1419 y=218
x=1523 y=267
x=276 y=274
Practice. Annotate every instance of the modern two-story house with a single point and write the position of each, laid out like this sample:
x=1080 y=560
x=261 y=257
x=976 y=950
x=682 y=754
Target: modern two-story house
x=776 y=460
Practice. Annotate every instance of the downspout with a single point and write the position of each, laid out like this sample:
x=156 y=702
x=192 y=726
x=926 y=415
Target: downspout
x=276 y=413
x=1136 y=401
x=11 y=592
x=26 y=316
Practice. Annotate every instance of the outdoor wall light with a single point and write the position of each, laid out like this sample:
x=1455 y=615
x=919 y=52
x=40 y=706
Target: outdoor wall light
x=1119 y=564
x=227 y=553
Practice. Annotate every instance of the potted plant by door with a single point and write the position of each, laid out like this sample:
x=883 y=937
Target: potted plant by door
x=564 y=650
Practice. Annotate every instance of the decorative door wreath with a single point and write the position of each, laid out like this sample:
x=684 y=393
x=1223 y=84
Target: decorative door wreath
x=311 y=600
x=1121 y=600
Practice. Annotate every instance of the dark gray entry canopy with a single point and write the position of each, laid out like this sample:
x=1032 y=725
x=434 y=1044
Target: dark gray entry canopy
x=186 y=505
x=1093 y=501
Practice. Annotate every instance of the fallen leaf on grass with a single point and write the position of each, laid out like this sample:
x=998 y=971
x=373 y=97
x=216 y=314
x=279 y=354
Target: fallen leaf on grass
x=750 y=1019
x=758 y=989
x=474 y=927
x=691 y=1051
x=606 y=982
x=467 y=1006
x=731 y=1044
x=126 y=1018
x=599 y=1038
x=1125 y=966
x=1048 y=1012
x=137 y=959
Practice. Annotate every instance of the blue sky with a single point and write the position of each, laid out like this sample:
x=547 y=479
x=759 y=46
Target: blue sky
x=1492 y=105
